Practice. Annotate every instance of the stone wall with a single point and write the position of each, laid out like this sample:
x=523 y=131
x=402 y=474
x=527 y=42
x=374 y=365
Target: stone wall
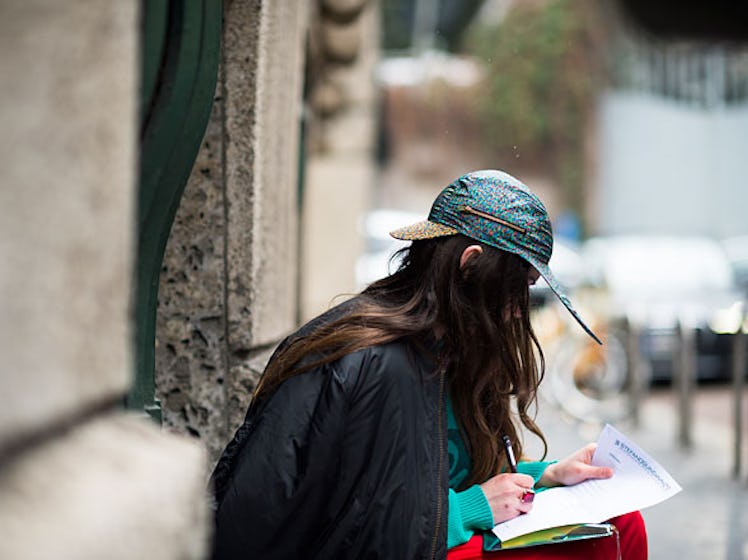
x=228 y=288
x=79 y=477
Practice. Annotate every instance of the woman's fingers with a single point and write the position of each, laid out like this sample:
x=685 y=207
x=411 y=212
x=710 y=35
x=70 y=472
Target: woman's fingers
x=599 y=472
x=585 y=454
x=506 y=495
x=575 y=468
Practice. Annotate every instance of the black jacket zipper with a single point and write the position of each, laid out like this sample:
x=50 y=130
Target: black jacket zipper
x=439 y=467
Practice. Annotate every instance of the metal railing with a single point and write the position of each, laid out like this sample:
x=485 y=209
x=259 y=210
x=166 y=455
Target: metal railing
x=697 y=74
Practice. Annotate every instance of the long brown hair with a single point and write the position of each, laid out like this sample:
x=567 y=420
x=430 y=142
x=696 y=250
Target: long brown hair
x=480 y=314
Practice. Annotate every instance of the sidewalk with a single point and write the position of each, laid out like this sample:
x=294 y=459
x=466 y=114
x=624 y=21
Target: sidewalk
x=709 y=518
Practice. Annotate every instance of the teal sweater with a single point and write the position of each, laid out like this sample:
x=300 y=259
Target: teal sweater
x=469 y=511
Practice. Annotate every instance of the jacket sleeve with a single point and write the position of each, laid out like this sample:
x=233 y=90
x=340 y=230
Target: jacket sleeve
x=278 y=486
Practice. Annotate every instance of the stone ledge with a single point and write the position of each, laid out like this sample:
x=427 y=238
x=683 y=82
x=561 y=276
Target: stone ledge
x=116 y=487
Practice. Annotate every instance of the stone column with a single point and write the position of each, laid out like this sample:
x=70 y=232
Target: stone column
x=79 y=477
x=340 y=168
x=228 y=288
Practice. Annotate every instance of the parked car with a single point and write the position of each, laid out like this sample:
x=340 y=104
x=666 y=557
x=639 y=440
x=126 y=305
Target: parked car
x=662 y=283
x=736 y=249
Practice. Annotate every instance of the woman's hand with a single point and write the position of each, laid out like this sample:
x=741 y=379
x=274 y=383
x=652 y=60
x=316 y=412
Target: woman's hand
x=504 y=494
x=574 y=469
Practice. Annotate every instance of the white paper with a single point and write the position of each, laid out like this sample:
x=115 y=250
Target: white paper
x=638 y=482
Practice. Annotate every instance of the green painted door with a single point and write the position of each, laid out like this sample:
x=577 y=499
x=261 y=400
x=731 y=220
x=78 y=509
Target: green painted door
x=181 y=48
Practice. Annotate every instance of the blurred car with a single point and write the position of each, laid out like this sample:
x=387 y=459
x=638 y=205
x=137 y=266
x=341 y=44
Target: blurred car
x=736 y=249
x=661 y=283
x=377 y=260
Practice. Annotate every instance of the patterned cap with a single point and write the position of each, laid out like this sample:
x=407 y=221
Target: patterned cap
x=495 y=208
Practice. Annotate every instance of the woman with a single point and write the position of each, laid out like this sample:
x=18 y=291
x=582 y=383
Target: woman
x=375 y=431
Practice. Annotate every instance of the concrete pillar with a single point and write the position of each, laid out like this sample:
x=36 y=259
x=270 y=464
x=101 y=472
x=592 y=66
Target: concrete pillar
x=685 y=381
x=228 y=289
x=738 y=367
x=340 y=169
x=78 y=476
x=67 y=104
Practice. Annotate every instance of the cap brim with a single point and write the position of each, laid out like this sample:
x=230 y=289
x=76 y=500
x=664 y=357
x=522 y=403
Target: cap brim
x=555 y=287
x=422 y=230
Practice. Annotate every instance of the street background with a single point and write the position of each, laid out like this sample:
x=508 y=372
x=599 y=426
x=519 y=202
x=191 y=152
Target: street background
x=625 y=135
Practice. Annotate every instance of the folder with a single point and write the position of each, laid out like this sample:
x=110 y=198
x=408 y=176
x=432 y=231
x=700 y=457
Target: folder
x=556 y=535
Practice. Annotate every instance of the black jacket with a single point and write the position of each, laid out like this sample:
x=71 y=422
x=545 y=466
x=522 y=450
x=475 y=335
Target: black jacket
x=348 y=460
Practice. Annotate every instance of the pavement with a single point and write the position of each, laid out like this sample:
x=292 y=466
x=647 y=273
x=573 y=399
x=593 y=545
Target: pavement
x=709 y=518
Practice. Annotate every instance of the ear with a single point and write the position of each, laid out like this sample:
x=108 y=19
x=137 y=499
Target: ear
x=469 y=252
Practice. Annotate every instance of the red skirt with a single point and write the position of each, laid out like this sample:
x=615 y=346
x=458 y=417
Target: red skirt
x=632 y=539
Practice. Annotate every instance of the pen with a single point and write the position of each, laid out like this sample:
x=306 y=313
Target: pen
x=528 y=495
x=509 y=453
